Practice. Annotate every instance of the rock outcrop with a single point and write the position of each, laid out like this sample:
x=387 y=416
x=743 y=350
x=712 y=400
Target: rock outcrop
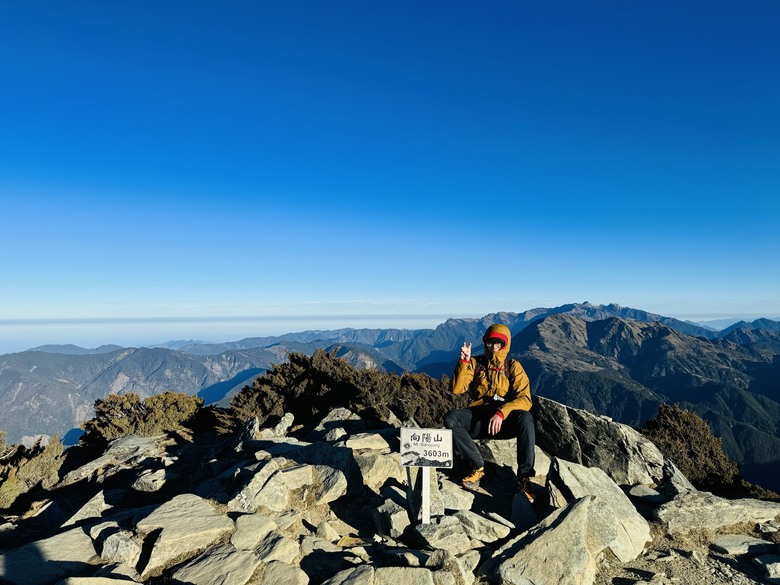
x=336 y=507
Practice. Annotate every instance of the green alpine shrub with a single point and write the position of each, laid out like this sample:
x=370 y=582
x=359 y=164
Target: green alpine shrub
x=119 y=415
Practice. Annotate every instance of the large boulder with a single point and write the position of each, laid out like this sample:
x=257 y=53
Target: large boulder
x=628 y=531
x=184 y=526
x=703 y=510
x=596 y=441
x=561 y=550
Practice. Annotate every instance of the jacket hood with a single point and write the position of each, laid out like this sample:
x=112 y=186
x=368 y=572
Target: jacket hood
x=498 y=331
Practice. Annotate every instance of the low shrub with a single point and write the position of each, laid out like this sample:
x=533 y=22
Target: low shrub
x=687 y=440
x=119 y=415
x=309 y=387
x=22 y=469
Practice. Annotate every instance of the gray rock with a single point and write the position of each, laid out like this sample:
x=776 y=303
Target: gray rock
x=454 y=497
x=391 y=519
x=361 y=575
x=703 y=510
x=223 y=565
x=46 y=561
x=187 y=525
x=405 y=575
x=674 y=482
x=576 y=481
x=327 y=532
x=251 y=529
x=121 y=547
x=375 y=441
x=560 y=550
x=250 y=498
x=578 y=436
x=279 y=573
x=94 y=508
x=480 y=528
x=740 y=544
x=279 y=430
x=119 y=455
x=443 y=561
x=444 y=532
x=150 y=481
x=277 y=547
x=339 y=418
x=770 y=565
x=377 y=468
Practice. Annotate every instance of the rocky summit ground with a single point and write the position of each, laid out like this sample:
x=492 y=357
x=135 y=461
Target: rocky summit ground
x=330 y=504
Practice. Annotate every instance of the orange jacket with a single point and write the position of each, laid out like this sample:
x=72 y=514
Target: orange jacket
x=491 y=385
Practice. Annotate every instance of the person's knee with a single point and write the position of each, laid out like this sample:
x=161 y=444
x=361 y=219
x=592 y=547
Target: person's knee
x=524 y=423
x=451 y=419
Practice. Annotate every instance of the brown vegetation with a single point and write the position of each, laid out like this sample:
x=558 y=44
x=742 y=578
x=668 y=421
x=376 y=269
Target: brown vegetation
x=119 y=415
x=22 y=469
x=310 y=387
x=687 y=440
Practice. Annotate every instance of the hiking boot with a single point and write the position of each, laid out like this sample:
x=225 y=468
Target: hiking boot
x=525 y=486
x=472 y=479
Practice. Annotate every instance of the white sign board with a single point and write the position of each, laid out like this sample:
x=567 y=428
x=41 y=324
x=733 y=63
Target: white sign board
x=426 y=447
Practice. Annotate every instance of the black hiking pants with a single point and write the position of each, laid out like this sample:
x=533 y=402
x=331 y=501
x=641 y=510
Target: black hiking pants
x=468 y=424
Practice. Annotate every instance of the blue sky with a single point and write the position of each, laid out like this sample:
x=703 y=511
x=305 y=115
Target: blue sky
x=327 y=164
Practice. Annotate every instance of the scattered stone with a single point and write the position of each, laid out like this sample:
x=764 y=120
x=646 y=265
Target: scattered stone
x=703 y=510
x=454 y=497
x=444 y=532
x=478 y=527
x=739 y=544
x=578 y=436
x=121 y=547
x=279 y=430
x=223 y=565
x=277 y=547
x=615 y=515
x=361 y=575
x=150 y=481
x=560 y=550
x=94 y=508
x=120 y=454
x=280 y=573
x=251 y=529
x=391 y=519
x=46 y=561
x=186 y=525
x=770 y=564
x=405 y=575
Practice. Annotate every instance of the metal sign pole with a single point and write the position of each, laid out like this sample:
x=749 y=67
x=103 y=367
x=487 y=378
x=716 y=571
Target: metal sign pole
x=426 y=495
x=425 y=448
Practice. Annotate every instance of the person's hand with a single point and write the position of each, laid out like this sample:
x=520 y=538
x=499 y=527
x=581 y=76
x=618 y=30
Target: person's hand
x=494 y=424
x=465 y=352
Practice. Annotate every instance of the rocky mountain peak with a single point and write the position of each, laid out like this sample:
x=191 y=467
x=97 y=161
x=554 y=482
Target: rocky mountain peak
x=330 y=504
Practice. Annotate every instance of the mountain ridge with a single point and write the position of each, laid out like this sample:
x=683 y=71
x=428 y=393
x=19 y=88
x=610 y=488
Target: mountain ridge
x=596 y=357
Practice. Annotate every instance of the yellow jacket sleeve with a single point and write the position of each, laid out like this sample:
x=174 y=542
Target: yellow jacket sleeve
x=462 y=377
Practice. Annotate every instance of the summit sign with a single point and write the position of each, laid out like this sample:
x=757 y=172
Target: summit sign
x=426 y=447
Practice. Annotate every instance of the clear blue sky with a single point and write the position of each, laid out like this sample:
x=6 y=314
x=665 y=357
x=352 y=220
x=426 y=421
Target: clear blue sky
x=209 y=159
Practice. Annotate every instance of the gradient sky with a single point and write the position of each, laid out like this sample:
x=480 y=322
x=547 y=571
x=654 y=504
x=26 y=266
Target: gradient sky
x=336 y=162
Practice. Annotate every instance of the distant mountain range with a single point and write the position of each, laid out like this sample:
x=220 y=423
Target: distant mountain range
x=608 y=359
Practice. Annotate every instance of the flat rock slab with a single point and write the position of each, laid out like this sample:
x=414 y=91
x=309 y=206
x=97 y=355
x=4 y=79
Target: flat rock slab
x=703 y=510
x=222 y=566
x=740 y=544
x=187 y=525
x=49 y=560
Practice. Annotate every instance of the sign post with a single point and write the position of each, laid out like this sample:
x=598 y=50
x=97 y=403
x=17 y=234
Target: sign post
x=426 y=448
